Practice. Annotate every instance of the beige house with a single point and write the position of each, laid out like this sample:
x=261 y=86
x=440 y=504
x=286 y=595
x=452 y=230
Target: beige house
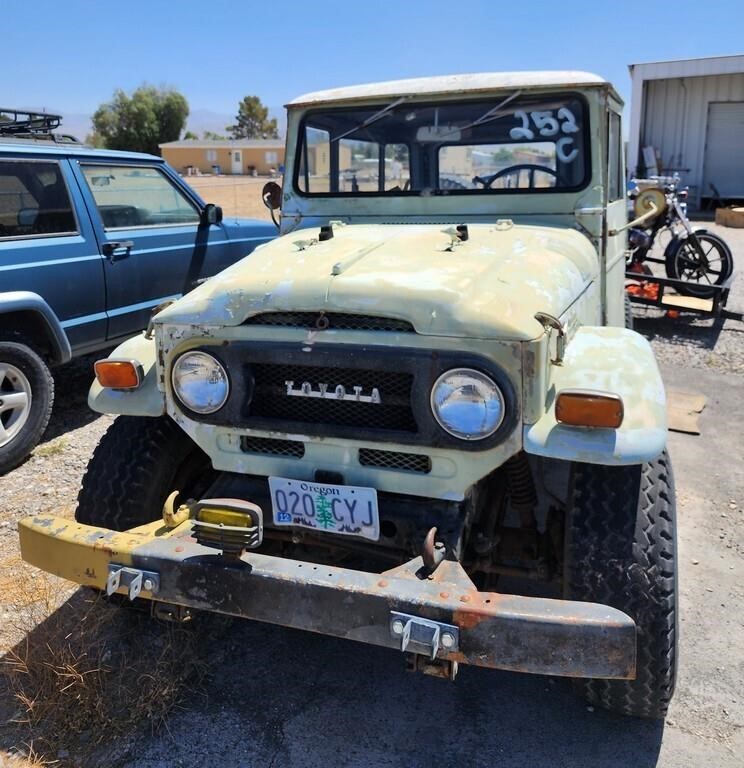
x=239 y=156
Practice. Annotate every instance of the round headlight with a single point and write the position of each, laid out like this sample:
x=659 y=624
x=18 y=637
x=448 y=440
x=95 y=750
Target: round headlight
x=467 y=404
x=200 y=382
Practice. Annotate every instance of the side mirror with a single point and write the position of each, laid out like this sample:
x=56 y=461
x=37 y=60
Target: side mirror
x=212 y=214
x=272 y=195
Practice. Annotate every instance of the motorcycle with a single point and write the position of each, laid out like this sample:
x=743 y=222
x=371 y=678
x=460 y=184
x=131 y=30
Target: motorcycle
x=696 y=256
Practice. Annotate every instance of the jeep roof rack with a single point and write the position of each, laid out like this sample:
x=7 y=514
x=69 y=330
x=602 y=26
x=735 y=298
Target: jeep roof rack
x=23 y=124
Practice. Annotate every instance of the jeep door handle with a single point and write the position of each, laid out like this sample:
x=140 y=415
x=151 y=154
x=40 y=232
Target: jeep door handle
x=115 y=251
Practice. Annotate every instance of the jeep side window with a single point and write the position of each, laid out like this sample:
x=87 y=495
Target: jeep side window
x=34 y=200
x=615 y=151
x=397 y=168
x=359 y=166
x=135 y=196
x=315 y=161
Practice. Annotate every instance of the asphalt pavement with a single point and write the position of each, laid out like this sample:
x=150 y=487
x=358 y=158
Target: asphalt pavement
x=288 y=698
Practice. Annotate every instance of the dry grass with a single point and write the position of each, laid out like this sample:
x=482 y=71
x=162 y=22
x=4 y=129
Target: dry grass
x=237 y=195
x=88 y=671
x=27 y=757
x=52 y=448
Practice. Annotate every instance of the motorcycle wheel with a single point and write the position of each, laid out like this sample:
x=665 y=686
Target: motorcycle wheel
x=683 y=262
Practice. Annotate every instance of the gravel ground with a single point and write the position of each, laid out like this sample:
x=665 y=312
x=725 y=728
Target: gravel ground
x=694 y=342
x=282 y=697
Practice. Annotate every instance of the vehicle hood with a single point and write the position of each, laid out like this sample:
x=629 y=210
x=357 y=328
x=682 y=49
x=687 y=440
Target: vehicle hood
x=237 y=228
x=489 y=286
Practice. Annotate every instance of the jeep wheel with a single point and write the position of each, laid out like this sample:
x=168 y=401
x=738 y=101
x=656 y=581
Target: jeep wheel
x=621 y=551
x=134 y=468
x=26 y=397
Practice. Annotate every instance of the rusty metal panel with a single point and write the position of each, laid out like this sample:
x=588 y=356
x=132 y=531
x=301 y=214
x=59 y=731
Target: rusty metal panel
x=525 y=634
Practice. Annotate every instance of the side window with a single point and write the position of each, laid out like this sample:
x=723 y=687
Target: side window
x=397 y=168
x=34 y=200
x=315 y=162
x=358 y=166
x=211 y=155
x=132 y=196
x=615 y=151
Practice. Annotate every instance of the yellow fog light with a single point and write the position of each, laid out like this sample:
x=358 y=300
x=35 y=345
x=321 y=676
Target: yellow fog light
x=584 y=408
x=222 y=516
x=232 y=525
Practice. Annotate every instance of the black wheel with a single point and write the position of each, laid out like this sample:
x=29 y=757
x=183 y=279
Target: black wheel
x=621 y=551
x=26 y=397
x=628 y=313
x=710 y=266
x=134 y=468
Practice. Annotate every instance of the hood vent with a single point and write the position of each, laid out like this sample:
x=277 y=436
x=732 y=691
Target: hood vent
x=331 y=321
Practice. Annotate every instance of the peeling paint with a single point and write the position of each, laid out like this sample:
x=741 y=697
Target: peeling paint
x=491 y=289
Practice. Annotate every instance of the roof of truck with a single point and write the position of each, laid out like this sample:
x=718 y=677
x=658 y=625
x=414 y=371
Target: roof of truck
x=474 y=83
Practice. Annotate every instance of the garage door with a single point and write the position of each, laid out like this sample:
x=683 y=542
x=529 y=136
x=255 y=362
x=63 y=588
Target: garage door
x=724 y=149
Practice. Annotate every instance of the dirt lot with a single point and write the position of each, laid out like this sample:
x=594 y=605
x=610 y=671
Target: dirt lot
x=138 y=694
x=238 y=195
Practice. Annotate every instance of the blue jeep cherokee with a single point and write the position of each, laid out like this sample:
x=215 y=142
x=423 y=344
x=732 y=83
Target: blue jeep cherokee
x=90 y=242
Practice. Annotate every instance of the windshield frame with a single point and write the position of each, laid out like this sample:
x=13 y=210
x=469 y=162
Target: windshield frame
x=299 y=148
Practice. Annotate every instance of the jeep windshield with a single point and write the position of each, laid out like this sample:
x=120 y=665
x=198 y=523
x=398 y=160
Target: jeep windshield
x=501 y=145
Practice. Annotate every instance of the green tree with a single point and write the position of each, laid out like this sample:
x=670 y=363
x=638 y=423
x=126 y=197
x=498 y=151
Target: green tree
x=190 y=136
x=252 y=121
x=95 y=140
x=150 y=116
x=212 y=136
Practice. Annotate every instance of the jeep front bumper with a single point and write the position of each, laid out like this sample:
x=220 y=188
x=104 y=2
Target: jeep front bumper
x=442 y=616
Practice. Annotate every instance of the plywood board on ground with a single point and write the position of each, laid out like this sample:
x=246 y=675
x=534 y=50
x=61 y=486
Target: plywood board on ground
x=683 y=410
x=730 y=217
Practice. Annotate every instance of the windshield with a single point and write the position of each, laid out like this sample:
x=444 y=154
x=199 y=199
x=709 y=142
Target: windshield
x=506 y=143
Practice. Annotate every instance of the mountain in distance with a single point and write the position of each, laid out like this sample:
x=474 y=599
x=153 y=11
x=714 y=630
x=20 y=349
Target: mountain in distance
x=201 y=120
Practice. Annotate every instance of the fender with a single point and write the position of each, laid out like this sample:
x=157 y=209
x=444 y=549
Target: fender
x=147 y=399
x=613 y=360
x=26 y=301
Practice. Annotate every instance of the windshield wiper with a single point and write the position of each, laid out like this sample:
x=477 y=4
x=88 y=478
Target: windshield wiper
x=372 y=118
x=486 y=117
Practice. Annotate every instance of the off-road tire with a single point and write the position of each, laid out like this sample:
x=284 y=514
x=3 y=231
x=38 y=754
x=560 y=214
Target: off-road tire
x=628 y=313
x=23 y=358
x=621 y=551
x=134 y=468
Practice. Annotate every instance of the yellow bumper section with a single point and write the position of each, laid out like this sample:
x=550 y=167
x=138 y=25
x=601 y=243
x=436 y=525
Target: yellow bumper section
x=442 y=615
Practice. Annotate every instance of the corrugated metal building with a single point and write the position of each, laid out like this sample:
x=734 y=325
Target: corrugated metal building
x=692 y=113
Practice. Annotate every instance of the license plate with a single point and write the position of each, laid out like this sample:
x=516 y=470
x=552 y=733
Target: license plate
x=344 y=509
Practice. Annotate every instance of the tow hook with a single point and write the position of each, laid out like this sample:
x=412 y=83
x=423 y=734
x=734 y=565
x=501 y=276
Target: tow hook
x=432 y=552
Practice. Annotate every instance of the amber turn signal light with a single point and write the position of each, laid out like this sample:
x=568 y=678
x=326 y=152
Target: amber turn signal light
x=582 y=408
x=118 y=374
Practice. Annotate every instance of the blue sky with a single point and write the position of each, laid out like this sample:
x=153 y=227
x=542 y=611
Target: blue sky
x=71 y=55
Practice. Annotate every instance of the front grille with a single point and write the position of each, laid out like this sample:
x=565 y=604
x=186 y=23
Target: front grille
x=270 y=399
x=338 y=321
x=270 y=447
x=408 y=462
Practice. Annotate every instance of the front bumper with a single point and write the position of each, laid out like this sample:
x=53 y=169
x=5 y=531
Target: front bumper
x=523 y=634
